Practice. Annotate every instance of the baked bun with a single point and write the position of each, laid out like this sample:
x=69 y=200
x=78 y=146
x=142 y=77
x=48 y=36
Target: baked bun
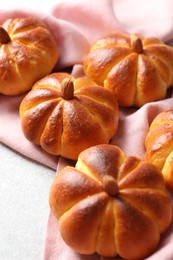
x=66 y=115
x=111 y=203
x=135 y=69
x=159 y=145
x=28 y=52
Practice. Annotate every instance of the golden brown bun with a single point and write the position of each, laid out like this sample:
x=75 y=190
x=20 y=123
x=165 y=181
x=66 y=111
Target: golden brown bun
x=66 y=126
x=28 y=52
x=159 y=144
x=136 y=69
x=111 y=204
x=168 y=171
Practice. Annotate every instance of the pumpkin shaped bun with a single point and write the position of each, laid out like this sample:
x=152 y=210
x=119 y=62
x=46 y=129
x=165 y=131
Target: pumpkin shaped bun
x=66 y=115
x=159 y=145
x=137 y=70
x=28 y=52
x=111 y=203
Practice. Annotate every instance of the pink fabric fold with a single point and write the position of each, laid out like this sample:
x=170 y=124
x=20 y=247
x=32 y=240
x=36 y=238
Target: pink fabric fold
x=12 y=136
x=76 y=25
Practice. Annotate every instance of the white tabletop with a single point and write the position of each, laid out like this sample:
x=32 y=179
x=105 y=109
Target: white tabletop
x=24 y=190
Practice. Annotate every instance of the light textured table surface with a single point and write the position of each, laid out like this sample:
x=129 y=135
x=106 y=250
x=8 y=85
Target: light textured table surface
x=24 y=189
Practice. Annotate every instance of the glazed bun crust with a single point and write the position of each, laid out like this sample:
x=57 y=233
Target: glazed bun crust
x=159 y=145
x=111 y=204
x=67 y=127
x=168 y=171
x=30 y=55
x=135 y=69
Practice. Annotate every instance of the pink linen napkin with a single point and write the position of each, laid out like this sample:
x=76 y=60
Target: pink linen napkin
x=76 y=25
